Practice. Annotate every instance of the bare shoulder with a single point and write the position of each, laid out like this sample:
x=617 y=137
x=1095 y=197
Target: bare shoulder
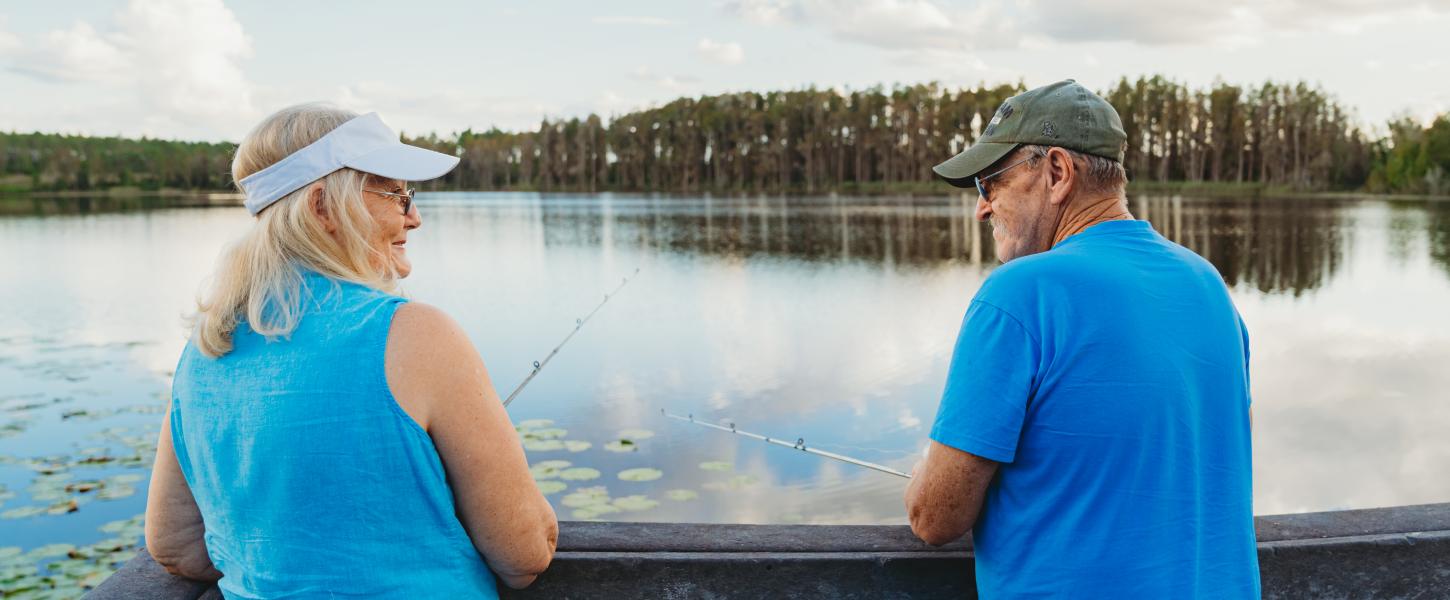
x=429 y=357
x=424 y=331
x=414 y=319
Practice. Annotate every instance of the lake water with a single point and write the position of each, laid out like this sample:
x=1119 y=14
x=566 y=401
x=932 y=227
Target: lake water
x=828 y=319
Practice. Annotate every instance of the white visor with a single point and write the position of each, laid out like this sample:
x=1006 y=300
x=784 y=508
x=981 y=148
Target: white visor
x=364 y=143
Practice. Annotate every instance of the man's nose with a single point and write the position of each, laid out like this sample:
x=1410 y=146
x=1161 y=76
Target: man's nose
x=984 y=209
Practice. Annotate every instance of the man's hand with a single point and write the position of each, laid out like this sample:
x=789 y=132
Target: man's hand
x=946 y=492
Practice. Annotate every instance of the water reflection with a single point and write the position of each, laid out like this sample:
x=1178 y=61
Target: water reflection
x=40 y=206
x=830 y=319
x=1272 y=245
x=1439 y=232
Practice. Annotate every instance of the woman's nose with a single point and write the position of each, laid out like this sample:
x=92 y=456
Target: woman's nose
x=414 y=218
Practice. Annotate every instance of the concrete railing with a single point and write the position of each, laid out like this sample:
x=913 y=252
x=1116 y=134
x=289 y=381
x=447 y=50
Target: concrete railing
x=1400 y=552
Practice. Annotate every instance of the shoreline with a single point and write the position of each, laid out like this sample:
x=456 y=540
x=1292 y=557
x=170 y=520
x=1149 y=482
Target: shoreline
x=201 y=198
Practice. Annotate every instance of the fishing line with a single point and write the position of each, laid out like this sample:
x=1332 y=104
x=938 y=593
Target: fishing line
x=578 y=324
x=800 y=444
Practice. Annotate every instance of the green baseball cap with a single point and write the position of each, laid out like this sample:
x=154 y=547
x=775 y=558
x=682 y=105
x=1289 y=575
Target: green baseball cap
x=1063 y=114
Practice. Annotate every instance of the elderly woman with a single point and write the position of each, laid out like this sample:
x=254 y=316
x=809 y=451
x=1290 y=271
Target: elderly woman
x=327 y=437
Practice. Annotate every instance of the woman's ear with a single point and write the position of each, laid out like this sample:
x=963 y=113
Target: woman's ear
x=319 y=207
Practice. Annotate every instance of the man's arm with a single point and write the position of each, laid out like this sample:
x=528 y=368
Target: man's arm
x=945 y=494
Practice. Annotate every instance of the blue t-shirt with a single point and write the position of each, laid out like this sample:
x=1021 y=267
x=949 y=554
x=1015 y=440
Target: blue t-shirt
x=1109 y=377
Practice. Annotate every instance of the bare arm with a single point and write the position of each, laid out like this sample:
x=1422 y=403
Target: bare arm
x=945 y=494
x=173 y=522
x=439 y=378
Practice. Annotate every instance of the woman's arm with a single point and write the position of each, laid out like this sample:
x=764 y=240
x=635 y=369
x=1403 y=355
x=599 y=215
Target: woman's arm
x=173 y=522
x=439 y=379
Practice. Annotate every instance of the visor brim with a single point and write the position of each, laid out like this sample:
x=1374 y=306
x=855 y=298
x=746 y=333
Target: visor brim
x=404 y=162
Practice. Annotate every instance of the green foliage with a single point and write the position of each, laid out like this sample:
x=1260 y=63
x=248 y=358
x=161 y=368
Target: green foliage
x=1289 y=136
x=1278 y=134
x=1414 y=159
x=46 y=162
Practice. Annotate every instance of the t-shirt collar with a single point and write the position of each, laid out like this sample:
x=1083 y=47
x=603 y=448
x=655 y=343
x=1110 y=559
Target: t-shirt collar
x=1117 y=227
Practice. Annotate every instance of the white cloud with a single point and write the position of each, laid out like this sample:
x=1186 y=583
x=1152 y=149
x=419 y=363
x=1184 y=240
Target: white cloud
x=8 y=41
x=888 y=24
x=678 y=83
x=764 y=12
x=75 y=54
x=921 y=25
x=440 y=111
x=725 y=53
x=177 y=64
x=648 y=21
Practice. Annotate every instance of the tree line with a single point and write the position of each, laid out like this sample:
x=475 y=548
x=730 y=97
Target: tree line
x=1287 y=135
x=46 y=162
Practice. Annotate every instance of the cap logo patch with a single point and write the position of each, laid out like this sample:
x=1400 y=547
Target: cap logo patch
x=1002 y=113
x=1048 y=129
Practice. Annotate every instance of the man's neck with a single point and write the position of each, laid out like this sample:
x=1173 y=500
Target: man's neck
x=1082 y=214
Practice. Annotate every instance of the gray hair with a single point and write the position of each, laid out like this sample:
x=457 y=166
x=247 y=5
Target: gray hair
x=1102 y=174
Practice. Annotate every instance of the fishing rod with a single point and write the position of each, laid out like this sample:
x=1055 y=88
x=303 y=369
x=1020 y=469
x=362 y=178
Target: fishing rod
x=800 y=444
x=578 y=324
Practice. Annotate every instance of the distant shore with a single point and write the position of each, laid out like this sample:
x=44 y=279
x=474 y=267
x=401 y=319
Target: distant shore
x=130 y=197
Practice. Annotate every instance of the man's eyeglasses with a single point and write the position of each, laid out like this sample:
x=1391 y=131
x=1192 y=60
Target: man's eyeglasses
x=407 y=198
x=982 y=189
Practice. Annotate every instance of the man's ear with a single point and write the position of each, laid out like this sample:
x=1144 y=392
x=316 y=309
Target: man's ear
x=1061 y=175
x=319 y=207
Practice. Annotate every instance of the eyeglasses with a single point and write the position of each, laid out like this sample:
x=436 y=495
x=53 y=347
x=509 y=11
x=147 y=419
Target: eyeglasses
x=982 y=189
x=406 y=196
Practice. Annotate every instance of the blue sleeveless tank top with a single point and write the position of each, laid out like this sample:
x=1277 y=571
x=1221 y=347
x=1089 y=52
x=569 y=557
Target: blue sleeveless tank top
x=311 y=480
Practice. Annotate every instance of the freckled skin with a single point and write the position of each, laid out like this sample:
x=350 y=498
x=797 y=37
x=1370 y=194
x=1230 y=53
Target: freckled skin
x=392 y=225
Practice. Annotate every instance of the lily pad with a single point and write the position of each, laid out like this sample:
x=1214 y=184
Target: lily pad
x=718 y=465
x=543 y=445
x=82 y=487
x=114 y=492
x=636 y=434
x=51 y=550
x=579 y=474
x=586 y=496
x=548 y=469
x=533 y=424
x=553 y=464
x=577 y=445
x=551 y=486
x=621 y=446
x=60 y=508
x=551 y=433
x=134 y=524
x=22 y=512
x=635 y=503
x=642 y=474
x=682 y=495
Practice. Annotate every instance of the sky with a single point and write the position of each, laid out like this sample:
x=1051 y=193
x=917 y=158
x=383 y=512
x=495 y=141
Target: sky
x=209 y=69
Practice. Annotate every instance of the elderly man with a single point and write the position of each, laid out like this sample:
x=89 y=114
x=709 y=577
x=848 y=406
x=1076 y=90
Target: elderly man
x=1094 y=431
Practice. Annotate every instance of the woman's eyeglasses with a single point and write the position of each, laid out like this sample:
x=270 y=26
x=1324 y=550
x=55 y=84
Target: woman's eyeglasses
x=407 y=198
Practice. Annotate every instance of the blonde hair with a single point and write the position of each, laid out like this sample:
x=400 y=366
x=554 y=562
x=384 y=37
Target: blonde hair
x=259 y=277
